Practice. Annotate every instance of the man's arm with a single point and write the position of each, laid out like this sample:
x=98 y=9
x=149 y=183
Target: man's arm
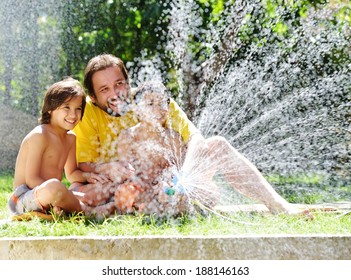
x=117 y=171
x=178 y=121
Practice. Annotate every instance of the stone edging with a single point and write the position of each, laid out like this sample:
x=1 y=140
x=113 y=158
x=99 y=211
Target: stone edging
x=268 y=247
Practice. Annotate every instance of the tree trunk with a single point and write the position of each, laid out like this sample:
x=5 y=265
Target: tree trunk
x=196 y=81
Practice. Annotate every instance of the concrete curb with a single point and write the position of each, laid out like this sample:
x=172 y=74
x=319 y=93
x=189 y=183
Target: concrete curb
x=266 y=247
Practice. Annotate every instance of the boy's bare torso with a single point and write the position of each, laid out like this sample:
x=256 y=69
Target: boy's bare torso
x=52 y=147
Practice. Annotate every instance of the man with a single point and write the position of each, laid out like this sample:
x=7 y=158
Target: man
x=106 y=115
x=107 y=82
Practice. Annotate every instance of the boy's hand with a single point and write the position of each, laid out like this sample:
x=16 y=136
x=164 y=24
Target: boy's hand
x=97 y=178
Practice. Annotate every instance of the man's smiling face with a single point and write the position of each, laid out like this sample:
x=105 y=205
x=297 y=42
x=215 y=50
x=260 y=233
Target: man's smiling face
x=112 y=91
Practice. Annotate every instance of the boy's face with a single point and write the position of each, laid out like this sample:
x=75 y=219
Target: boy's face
x=153 y=107
x=112 y=92
x=68 y=115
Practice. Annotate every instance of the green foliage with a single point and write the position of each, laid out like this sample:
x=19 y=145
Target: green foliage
x=282 y=17
x=39 y=44
x=123 y=28
x=42 y=44
x=308 y=189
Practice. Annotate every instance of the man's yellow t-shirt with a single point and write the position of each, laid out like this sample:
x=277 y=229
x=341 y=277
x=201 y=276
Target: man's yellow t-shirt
x=97 y=132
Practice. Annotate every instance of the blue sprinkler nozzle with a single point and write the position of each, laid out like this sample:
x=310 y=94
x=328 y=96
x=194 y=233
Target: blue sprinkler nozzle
x=169 y=191
x=176 y=184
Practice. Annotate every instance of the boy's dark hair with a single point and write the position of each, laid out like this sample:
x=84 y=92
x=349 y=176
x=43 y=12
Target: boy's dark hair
x=59 y=93
x=98 y=63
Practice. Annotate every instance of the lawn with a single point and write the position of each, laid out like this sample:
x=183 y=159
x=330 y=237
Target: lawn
x=205 y=225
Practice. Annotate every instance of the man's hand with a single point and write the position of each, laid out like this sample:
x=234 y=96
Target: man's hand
x=93 y=178
x=117 y=171
x=126 y=196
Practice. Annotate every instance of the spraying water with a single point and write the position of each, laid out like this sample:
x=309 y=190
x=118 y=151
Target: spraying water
x=286 y=109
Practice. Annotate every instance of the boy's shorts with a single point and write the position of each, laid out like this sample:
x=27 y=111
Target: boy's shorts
x=23 y=200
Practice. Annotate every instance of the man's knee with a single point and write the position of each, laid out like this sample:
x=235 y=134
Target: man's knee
x=217 y=142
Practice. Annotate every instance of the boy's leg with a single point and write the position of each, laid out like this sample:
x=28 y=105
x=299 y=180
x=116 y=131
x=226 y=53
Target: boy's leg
x=53 y=193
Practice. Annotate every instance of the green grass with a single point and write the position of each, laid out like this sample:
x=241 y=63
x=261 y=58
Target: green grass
x=310 y=188
x=6 y=180
x=130 y=225
x=241 y=224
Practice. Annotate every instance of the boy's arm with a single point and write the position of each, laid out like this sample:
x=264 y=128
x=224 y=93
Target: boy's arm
x=116 y=171
x=73 y=173
x=36 y=145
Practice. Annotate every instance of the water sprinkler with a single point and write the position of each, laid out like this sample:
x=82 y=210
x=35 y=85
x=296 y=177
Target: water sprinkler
x=169 y=191
x=177 y=183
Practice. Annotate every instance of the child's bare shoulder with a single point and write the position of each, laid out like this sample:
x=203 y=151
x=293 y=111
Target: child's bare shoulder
x=36 y=132
x=71 y=137
x=35 y=137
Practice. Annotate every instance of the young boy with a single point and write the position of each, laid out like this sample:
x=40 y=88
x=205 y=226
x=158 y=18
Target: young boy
x=47 y=151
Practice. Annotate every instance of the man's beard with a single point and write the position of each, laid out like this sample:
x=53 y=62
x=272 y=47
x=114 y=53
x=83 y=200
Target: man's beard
x=114 y=113
x=121 y=112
